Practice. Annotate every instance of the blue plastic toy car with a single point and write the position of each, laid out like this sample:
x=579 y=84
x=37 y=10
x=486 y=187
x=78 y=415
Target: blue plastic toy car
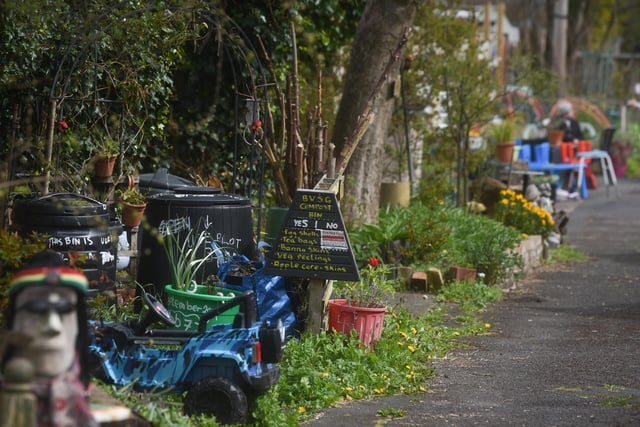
x=217 y=368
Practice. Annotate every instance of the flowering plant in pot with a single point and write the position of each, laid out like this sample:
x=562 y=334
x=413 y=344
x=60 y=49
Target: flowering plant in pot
x=374 y=287
x=363 y=305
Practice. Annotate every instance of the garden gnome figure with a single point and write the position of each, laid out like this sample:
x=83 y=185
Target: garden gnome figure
x=47 y=306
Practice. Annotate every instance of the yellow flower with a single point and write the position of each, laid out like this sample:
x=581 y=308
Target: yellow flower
x=301 y=409
x=414 y=330
x=487 y=325
x=456 y=333
x=378 y=390
x=404 y=334
x=411 y=348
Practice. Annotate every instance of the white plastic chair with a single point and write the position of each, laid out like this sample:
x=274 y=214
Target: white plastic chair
x=606 y=165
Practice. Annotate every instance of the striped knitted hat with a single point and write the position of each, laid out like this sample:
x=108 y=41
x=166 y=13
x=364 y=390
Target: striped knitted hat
x=53 y=276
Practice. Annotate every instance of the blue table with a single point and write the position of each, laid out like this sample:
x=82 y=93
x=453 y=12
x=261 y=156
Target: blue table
x=556 y=167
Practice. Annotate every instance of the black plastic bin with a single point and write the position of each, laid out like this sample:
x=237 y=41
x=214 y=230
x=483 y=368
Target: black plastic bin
x=77 y=225
x=226 y=217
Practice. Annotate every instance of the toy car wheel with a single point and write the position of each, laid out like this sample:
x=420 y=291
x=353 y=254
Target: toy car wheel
x=219 y=397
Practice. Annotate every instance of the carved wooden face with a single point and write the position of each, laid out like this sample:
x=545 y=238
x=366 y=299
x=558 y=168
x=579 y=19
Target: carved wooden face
x=48 y=316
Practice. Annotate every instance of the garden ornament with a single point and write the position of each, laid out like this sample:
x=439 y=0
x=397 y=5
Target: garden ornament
x=47 y=306
x=532 y=193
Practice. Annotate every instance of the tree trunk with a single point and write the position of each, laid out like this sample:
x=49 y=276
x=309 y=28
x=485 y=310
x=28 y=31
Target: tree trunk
x=380 y=30
x=560 y=28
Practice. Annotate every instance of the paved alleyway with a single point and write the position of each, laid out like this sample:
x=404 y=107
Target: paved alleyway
x=566 y=344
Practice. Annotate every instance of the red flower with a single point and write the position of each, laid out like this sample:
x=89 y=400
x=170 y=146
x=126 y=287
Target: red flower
x=373 y=262
x=62 y=126
x=257 y=126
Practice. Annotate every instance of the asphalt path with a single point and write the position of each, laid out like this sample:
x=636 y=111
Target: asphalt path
x=565 y=343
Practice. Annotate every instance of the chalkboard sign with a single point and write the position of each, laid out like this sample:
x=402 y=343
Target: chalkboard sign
x=313 y=242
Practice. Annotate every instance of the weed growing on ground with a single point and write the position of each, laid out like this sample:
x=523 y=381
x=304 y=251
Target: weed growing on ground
x=565 y=253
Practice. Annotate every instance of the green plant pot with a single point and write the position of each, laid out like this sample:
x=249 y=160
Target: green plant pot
x=187 y=307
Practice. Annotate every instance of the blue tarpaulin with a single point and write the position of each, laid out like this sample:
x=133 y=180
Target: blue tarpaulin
x=238 y=273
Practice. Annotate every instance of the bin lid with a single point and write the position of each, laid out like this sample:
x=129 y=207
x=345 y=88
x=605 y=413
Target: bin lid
x=161 y=180
x=202 y=196
x=59 y=209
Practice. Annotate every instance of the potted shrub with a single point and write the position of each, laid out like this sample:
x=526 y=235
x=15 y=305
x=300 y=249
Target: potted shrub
x=502 y=133
x=186 y=298
x=363 y=303
x=133 y=204
x=107 y=151
x=555 y=130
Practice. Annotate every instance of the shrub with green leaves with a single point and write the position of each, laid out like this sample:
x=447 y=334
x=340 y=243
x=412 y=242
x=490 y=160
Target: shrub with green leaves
x=383 y=240
x=14 y=251
x=402 y=236
x=440 y=235
x=482 y=243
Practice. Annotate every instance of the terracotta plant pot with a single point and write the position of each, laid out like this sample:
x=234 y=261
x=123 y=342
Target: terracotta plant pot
x=132 y=214
x=504 y=152
x=104 y=165
x=555 y=136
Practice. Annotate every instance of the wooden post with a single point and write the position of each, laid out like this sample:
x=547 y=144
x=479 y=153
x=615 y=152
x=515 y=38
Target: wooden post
x=19 y=405
x=49 y=153
x=318 y=294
